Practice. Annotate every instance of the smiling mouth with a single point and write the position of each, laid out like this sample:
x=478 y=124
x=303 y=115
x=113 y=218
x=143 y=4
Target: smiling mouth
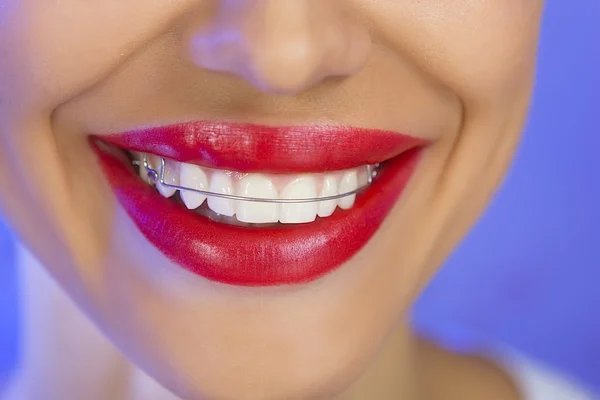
x=253 y=205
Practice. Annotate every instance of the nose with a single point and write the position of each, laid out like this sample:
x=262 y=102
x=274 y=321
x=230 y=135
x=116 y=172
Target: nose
x=281 y=46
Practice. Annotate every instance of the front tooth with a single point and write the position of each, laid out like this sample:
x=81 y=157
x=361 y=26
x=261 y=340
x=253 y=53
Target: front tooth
x=303 y=187
x=193 y=177
x=330 y=188
x=221 y=183
x=171 y=177
x=259 y=186
x=349 y=183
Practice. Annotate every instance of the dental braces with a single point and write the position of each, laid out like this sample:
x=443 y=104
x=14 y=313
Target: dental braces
x=154 y=176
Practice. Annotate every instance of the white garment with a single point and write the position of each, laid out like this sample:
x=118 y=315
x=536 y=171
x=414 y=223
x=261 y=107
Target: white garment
x=538 y=382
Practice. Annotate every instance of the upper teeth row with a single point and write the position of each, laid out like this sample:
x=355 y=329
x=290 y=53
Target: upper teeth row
x=257 y=185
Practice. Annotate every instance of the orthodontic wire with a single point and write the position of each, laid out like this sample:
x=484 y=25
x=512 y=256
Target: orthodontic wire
x=159 y=177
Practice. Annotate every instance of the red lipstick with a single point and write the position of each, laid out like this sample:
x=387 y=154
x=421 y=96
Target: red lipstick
x=261 y=256
x=258 y=148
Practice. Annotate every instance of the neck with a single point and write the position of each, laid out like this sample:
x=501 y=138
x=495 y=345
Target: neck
x=392 y=374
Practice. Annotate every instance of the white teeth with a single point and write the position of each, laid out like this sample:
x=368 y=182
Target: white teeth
x=171 y=177
x=303 y=187
x=349 y=183
x=363 y=177
x=330 y=188
x=259 y=186
x=221 y=183
x=256 y=185
x=191 y=176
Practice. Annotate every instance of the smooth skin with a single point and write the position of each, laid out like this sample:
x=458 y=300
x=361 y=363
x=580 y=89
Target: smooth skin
x=458 y=72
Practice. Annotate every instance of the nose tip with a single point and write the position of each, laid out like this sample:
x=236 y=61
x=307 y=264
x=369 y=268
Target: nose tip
x=289 y=63
x=282 y=46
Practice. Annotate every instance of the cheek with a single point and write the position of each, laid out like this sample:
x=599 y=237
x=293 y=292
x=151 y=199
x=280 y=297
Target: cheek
x=496 y=51
x=483 y=51
x=57 y=49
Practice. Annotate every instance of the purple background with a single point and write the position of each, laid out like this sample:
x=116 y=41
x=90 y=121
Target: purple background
x=528 y=273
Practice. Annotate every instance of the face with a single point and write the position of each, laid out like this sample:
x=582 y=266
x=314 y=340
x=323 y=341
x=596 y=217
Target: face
x=269 y=99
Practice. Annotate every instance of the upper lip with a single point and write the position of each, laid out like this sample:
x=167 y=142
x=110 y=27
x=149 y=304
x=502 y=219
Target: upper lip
x=257 y=148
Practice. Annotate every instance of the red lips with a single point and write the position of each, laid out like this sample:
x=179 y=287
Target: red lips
x=252 y=256
x=257 y=148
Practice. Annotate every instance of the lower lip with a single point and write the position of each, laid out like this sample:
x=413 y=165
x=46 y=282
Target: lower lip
x=250 y=256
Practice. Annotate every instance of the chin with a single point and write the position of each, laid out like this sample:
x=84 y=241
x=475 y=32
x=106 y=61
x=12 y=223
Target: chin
x=305 y=374
x=260 y=350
